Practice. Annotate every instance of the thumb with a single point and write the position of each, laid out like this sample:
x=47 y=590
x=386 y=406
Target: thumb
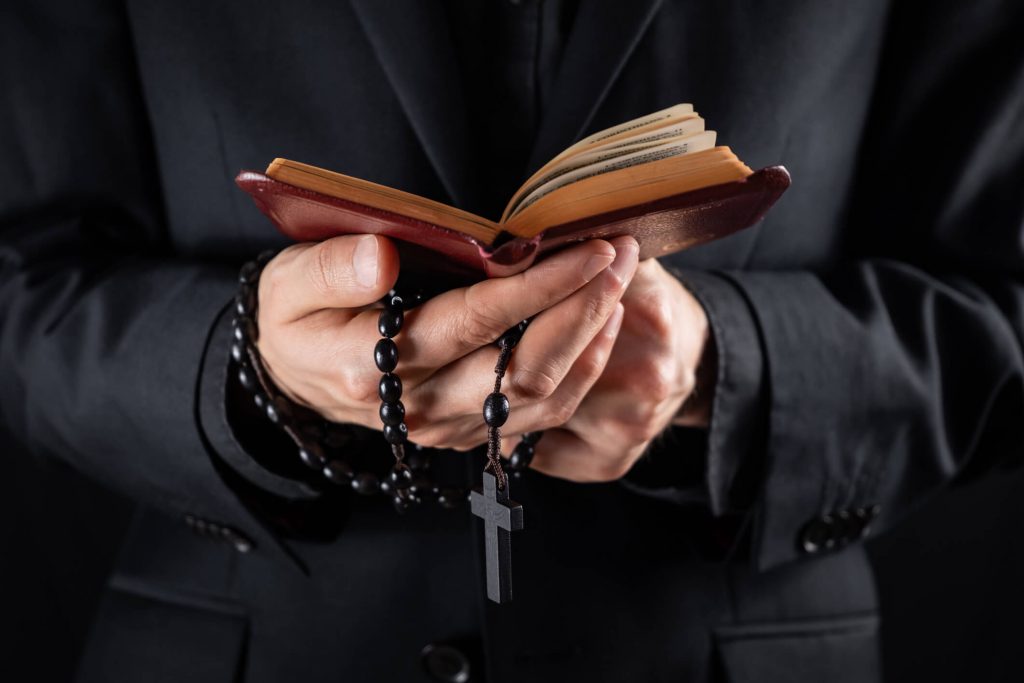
x=349 y=271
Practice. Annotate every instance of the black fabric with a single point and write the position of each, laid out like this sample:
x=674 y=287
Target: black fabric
x=873 y=321
x=841 y=651
x=508 y=55
x=135 y=627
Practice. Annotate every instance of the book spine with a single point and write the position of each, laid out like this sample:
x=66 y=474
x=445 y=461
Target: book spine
x=509 y=254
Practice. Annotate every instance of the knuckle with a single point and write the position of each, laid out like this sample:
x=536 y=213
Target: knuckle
x=644 y=429
x=651 y=382
x=592 y=363
x=562 y=411
x=689 y=381
x=534 y=384
x=357 y=384
x=596 y=309
x=659 y=384
x=637 y=424
x=478 y=325
x=652 y=316
x=272 y=282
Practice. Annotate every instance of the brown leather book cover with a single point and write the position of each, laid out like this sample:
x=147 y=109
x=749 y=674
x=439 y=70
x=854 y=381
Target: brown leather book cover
x=661 y=227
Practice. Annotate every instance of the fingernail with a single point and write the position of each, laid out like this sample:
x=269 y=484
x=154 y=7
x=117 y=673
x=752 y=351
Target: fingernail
x=364 y=261
x=625 y=259
x=595 y=264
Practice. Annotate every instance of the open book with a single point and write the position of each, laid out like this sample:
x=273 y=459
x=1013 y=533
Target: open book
x=659 y=177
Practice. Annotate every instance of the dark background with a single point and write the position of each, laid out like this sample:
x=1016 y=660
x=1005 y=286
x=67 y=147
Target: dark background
x=949 y=578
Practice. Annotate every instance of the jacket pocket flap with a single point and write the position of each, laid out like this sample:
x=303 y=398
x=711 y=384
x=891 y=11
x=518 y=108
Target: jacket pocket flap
x=840 y=650
x=148 y=635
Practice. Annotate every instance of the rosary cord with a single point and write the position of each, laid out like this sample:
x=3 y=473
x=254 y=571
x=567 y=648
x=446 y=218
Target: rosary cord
x=494 y=430
x=260 y=371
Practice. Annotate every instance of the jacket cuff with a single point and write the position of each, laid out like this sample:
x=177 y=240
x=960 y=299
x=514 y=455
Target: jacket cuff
x=736 y=434
x=238 y=467
x=818 y=435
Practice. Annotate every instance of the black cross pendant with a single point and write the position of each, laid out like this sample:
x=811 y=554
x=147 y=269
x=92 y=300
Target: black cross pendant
x=501 y=517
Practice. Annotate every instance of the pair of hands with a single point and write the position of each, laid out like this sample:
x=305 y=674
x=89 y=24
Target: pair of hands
x=604 y=367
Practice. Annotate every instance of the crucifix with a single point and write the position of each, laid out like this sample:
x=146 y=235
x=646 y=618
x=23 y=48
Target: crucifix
x=501 y=516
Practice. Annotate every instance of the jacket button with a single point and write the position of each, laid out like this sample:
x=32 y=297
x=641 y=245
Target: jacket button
x=816 y=535
x=239 y=541
x=445 y=663
x=843 y=529
x=233 y=537
x=863 y=517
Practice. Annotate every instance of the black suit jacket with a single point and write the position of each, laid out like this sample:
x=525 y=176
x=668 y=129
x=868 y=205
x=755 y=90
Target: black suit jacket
x=869 y=330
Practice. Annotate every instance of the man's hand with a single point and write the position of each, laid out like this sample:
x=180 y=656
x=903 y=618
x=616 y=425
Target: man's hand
x=318 y=330
x=651 y=373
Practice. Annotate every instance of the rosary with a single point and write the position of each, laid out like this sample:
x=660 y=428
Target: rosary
x=406 y=483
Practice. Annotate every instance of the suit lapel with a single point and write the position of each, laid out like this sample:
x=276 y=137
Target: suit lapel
x=412 y=42
x=604 y=35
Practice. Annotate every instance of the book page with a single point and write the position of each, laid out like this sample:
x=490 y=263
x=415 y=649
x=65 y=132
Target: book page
x=694 y=143
x=688 y=134
x=628 y=186
x=635 y=127
x=607 y=150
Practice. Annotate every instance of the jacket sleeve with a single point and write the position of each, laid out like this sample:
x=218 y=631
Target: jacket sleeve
x=104 y=325
x=881 y=378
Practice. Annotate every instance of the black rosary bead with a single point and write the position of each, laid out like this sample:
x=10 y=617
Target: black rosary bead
x=421 y=487
x=400 y=477
x=338 y=472
x=319 y=441
x=245 y=331
x=245 y=302
x=496 y=409
x=389 y=323
x=396 y=434
x=390 y=388
x=277 y=409
x=249 y=274
x=401 y=502
x=385 y=355
x=417 y=460
x=312 y=456
x=392 y=413
x=449 y=498
x=414 y=298
x=246 y=378
x=521 y=457
x=512 y=335
x=531 y=437
x=366 y=483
